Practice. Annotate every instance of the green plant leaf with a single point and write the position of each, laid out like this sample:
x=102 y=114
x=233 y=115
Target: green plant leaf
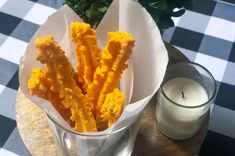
x=89 y=13
x=92 y=11
x=161 y=5
x=103 y=9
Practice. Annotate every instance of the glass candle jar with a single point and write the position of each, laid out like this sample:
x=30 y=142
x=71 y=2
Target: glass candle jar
x=184 y=99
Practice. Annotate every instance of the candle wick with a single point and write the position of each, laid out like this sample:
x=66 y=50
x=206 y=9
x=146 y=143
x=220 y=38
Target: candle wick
x=182 y=94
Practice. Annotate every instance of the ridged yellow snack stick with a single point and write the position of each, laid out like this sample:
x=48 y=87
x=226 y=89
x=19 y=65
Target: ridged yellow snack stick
x=113 y=106
x=89 y=99
x=40 y=85
x=87 y=51
x=60 y=71
x=113 y=62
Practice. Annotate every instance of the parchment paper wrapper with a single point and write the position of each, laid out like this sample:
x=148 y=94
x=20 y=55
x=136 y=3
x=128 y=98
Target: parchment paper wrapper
x=149 y=60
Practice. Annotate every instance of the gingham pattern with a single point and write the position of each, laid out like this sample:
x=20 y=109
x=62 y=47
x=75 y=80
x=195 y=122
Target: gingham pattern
x=205 y=35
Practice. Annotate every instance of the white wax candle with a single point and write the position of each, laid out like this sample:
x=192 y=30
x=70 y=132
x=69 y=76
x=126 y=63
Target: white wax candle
x=185 y=92
x=180 y=120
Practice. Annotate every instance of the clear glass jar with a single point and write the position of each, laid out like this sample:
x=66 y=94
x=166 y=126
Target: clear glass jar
x=184 y=98
x=119 y=142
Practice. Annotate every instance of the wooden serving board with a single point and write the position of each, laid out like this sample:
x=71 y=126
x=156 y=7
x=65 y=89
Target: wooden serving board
x=36 y=135
x=33 y=127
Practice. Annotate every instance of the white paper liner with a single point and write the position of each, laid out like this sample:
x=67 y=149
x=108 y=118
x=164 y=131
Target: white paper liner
x=149 y=59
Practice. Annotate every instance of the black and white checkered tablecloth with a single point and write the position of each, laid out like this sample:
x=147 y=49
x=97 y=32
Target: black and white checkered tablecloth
x=206 y=35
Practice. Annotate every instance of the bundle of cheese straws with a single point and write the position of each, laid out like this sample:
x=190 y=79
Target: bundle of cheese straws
x=79 y=85
x=88 y=98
